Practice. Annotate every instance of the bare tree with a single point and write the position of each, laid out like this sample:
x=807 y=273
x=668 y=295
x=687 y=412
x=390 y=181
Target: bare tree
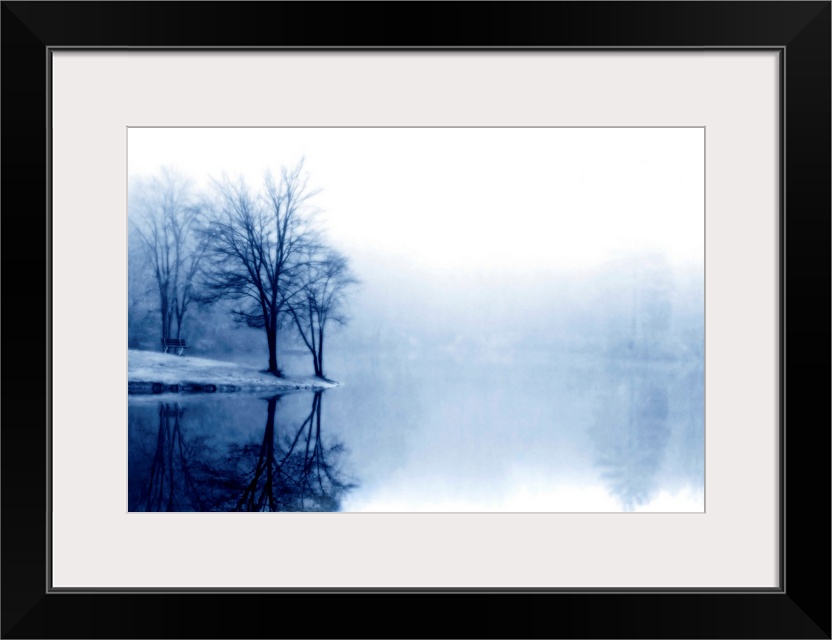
x=142 y=315
x=166 y=222
x=257 y=244
x=320 y=300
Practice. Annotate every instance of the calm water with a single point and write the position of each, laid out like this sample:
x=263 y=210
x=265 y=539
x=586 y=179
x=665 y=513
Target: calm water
x=433 y=434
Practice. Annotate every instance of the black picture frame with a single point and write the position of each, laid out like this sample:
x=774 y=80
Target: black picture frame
x=799 y=608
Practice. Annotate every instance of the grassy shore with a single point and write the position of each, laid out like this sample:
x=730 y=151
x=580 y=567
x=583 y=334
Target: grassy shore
x=152 y=372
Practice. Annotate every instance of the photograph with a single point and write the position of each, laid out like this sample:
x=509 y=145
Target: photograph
x=506 y=304
x=416 y=319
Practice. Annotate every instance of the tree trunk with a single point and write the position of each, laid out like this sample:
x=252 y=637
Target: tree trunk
x=271 y=336
x=165 y=324
x=314 y=348
x=320 y=366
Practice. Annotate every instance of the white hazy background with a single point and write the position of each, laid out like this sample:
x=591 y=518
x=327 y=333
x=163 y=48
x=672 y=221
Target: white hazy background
x=470 y=198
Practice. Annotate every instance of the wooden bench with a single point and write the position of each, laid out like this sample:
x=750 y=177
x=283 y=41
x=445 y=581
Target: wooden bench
x=174 y=343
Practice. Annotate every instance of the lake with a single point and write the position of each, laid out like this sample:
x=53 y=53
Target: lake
x=559 y=431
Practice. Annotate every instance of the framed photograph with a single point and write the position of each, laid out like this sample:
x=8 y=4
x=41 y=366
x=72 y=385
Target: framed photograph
x=526 y=309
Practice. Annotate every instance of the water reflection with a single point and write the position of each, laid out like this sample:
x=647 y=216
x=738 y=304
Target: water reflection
x=295 y=472
x=170 y=484
x=632 y=434
x=288 y=468
x=651 y=392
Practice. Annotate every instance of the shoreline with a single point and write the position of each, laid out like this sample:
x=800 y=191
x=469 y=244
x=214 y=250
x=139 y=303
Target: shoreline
x=153 y=373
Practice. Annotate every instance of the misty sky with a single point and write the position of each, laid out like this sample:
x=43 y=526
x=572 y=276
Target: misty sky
x=462 y=199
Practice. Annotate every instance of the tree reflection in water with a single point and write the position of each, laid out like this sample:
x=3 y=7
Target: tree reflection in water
x=631 y=435
x=170 y=484
x=290 y=471
x=646 y=384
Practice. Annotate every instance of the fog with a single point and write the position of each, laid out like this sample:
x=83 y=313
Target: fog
x=526 y=333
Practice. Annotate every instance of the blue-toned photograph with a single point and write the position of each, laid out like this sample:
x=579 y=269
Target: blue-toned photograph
x=416 y=319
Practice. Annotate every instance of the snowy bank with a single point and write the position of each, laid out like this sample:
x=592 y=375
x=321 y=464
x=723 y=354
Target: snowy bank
x=150 y=372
